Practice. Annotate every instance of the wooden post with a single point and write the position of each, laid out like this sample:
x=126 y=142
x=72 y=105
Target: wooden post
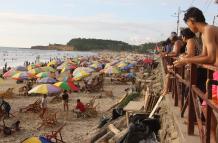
x=208 y=108
x=182 y=89
x=191 y=110
x=175 y=91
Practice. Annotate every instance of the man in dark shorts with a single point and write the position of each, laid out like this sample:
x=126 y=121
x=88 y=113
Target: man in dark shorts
x=65 y=98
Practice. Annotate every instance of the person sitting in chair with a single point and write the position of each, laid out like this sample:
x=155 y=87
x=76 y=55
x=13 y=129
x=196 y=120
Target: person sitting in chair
x=80 y=107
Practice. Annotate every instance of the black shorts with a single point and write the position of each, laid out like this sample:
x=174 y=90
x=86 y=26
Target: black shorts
x=201 y=79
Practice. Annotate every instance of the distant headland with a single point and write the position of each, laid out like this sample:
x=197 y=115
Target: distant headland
x=82 y=44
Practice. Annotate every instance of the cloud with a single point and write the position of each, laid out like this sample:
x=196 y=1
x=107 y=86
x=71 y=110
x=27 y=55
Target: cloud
x=50 y=28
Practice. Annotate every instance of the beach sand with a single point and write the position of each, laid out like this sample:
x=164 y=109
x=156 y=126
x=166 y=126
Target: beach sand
x=76 y=129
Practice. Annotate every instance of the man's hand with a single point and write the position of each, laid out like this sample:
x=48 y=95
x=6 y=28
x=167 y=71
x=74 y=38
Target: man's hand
x=181 y=62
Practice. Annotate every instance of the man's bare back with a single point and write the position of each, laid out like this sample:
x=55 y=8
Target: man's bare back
x=210 y=42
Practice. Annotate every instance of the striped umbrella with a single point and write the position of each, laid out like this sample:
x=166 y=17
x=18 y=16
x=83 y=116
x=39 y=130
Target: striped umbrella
x=62 y=85
x=111 y=70
x=21 y=76
x=21 y=68
x=45 y=89
x=47 y=69
x=40 y=139
x=122 y=64
x=32 y=66
x=78 y=75
x=68 y=67
x=35 y=71
x=53 y=62
x=10 y=73
x=42 y=75
x=47 y=80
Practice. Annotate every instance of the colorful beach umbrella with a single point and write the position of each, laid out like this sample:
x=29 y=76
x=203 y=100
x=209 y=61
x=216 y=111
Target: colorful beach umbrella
x=47 y=69
x=79 y=74
x=40 y=139
x=47 y=80
x=68 y=67
x=86 y=69
x=62 y=85
x=35 y=71
x=45 y=89
x=111 y=70
x=42 y=75
x=122 y=64
x=32 y=66
x=21 y=76
x=53 y=62
x=129 y=66
x=21 y=68
x=10 y=73
x=148 y=60
x=96 y=65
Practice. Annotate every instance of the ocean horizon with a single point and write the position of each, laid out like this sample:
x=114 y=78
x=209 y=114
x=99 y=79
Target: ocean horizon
x=16 y=56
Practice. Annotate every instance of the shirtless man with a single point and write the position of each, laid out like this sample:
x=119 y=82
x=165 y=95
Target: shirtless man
x=195 y=20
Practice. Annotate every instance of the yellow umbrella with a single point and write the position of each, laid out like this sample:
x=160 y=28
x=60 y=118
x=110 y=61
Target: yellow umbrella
x=35 y=71
x=45 y=89
x=80 y=74
x=42 y=75
x=122 y=64
x=53 y=62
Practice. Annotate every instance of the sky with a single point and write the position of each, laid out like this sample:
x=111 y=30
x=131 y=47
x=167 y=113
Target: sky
x=25 y=23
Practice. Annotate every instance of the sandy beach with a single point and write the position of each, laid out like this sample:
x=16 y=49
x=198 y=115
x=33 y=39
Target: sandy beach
x=76 y=129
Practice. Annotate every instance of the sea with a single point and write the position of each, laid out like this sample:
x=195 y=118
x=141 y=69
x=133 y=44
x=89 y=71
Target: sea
x=17 y=56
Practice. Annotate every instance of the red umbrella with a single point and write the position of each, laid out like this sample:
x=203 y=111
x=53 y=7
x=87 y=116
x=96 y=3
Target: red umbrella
x=148 y=61
x=72 y=85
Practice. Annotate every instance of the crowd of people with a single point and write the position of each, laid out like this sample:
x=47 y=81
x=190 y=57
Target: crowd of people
x=189 y=49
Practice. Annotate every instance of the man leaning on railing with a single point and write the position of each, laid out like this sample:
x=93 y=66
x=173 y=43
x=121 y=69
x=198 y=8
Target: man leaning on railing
x=178 y=49
x=195 y=20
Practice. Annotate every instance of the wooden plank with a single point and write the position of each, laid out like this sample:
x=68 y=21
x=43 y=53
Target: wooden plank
x=133 y=106
x=155 y=107
x=113 y=129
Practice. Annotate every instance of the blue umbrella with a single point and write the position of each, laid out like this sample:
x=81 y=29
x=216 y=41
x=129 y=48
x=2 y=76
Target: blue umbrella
x=21 y=68
x=129 y=66
x=47 y=80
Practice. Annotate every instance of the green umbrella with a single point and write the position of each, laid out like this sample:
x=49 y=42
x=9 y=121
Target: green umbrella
x=62 y=85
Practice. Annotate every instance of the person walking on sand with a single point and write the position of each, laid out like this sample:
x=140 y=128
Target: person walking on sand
x=65 y=98
x=44 y=105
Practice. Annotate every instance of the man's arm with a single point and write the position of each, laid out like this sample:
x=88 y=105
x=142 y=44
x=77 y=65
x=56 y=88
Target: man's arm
x=176 y=50
x=191 y=46
x=209 y=50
